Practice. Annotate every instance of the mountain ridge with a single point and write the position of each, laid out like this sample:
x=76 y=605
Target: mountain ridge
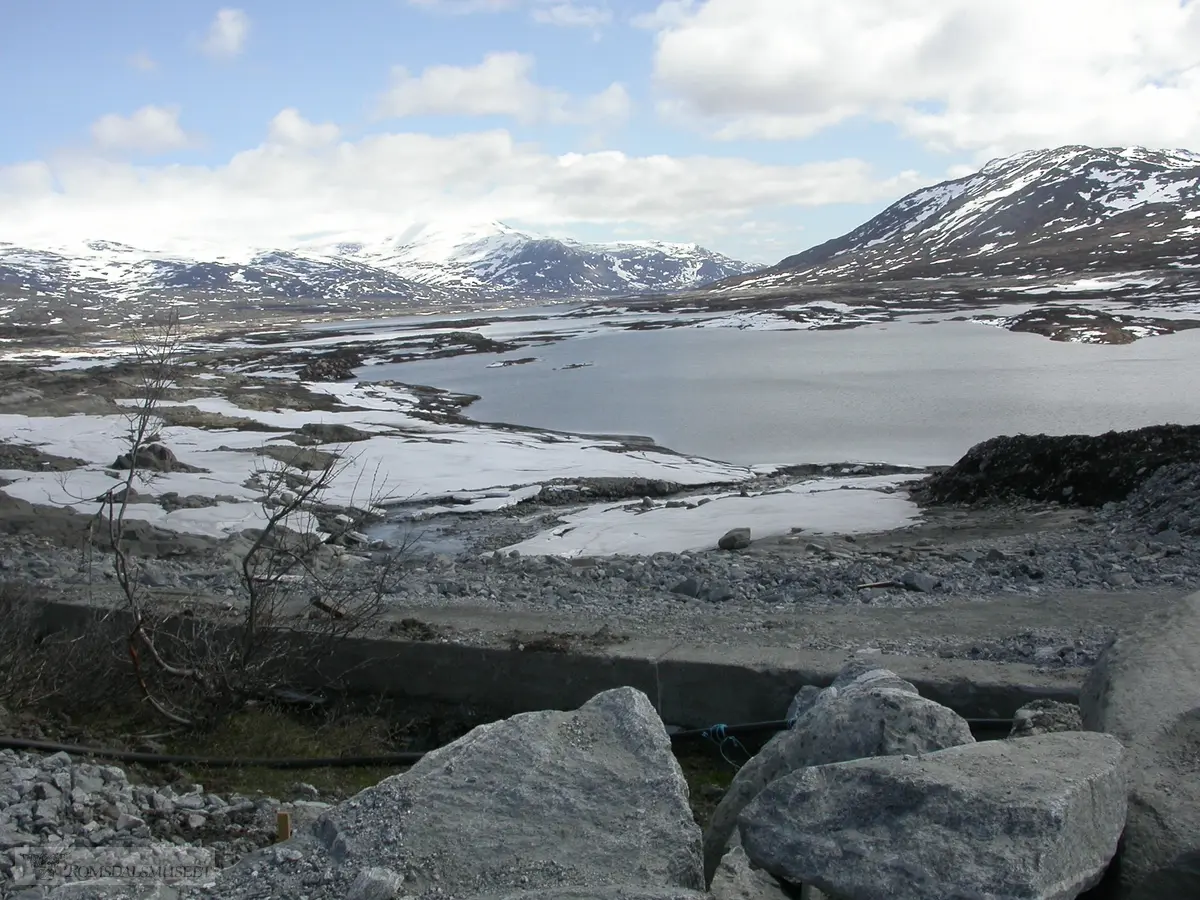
x=1071 y=209
x=424 y=264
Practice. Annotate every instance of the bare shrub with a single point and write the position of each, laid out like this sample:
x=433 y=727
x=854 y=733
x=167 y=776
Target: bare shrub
x=297 y=594
x=46 y=664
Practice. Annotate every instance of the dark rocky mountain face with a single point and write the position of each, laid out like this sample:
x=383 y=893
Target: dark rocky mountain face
x=1047 y=212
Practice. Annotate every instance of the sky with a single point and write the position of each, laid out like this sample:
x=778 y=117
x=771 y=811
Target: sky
x=754 y=127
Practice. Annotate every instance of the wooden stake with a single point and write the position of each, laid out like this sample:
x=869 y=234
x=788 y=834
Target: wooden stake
x=283 y=826
x=326 y=608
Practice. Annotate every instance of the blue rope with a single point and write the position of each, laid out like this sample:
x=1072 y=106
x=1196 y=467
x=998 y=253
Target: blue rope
x=719 y=736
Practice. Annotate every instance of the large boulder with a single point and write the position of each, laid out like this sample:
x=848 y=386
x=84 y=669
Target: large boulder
x=867 y=711
x=1035 y=819
x=1145 y=690
x=590 y=803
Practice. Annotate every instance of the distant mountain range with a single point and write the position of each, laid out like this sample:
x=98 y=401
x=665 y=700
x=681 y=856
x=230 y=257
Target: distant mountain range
x=1071 y=210
x=426 y=265
x=1042 y=214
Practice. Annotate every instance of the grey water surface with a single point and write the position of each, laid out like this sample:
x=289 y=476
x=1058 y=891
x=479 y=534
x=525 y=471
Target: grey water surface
x=901 y=392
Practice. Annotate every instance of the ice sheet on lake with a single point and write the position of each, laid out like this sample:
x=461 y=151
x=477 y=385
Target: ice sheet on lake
x=825 y=505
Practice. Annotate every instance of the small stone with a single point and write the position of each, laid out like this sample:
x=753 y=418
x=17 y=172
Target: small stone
x=305 y=790
x=919 y=581
x=719 y=592
x=689 y=587
x=375 y=883
x=57 y=761
x=735 y=539
x=126 y=822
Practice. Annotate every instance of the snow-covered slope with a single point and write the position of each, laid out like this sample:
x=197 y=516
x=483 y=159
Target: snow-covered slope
x=1045 y=212
x=427 y=264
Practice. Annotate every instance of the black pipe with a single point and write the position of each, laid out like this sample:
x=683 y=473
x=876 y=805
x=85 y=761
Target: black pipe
x=216 y=762
x=716 y=733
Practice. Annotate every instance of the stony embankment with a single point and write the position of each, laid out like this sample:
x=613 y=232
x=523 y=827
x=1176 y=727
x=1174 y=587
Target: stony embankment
x=1119 y=547
x=592 y=803
x=56 y=810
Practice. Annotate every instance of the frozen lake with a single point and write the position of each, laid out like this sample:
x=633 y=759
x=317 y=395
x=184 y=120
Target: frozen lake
x=901 y=392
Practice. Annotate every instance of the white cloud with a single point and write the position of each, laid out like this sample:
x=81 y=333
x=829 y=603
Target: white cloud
x=667 y=14
x=284 y=192
x=289 y=128
x=563 y=13
x=992 y=76
x=572 y=15
x=151 y=129
x=461 y=7
x=613 y=104
x=142 y=62
x=501 y=85
x=227 y=35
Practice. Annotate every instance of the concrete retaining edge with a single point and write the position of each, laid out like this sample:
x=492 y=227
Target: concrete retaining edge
x=690 y=686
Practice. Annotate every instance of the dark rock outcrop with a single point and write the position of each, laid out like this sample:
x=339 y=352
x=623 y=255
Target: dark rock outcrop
x=1080 y=469
x=336 y=366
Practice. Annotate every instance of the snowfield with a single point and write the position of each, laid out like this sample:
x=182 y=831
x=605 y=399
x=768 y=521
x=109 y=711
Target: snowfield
x=430 y=469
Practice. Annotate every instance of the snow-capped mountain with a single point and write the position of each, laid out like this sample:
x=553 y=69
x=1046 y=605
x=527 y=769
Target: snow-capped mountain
x=424 y=265
x=1044 y=212
x=495 y=257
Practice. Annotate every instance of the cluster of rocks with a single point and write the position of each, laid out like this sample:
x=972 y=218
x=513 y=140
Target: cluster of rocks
x=57 y=808
x=1166 y=505
x=872 y=792
x=336 y=365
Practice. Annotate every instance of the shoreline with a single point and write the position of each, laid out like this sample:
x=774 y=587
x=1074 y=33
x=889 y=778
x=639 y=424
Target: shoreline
x=487 y=490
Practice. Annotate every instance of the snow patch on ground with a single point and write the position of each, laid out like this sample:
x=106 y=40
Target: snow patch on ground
x=824 y=505
x=408 y=459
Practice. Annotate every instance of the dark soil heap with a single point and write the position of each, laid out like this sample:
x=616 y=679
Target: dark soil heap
x=1080 y=469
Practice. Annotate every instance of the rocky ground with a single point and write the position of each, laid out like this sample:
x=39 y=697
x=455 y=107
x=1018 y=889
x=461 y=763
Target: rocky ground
x=52 y=802
x=776 y=590
x=1031 y=550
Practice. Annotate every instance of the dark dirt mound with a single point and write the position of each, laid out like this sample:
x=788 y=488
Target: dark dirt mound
x=32 y=459
x=67 y=528
x=1080 y=469
x=338 y=365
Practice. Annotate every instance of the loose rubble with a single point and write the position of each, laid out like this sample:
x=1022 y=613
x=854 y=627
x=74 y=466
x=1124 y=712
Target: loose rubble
x=1045 y=717
x=669 y=594
x=57 y=807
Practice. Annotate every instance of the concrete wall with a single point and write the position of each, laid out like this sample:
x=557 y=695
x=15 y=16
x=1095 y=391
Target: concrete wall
x=691 y=686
